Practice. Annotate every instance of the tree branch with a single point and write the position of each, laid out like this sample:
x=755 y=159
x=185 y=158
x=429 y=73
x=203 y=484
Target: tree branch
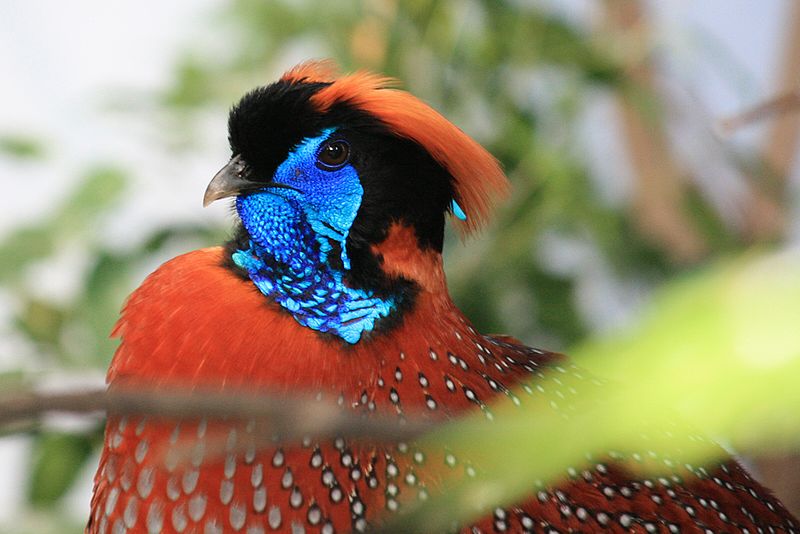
x=288 y=416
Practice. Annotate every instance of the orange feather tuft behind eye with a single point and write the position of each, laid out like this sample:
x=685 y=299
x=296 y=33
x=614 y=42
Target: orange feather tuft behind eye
x=321 y=70
x=478 y=178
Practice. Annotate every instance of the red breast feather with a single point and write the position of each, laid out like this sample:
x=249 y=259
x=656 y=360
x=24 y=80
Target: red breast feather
x=193 y=323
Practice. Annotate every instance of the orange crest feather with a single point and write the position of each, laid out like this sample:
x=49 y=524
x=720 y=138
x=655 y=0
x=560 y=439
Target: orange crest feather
x=478 y=178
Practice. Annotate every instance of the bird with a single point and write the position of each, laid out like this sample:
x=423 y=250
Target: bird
x=332 y=284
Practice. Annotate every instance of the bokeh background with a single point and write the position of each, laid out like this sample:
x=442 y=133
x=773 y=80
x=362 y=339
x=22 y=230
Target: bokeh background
x=604 y=113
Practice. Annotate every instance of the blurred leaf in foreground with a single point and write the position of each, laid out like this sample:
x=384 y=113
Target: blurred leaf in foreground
x=717 y=354
x=722 y=348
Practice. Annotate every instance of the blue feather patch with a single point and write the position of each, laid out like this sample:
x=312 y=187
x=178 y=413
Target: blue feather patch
x=457 y=211
x=292 y=233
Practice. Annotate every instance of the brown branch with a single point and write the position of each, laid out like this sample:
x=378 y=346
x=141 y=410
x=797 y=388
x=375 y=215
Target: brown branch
x=780 y=146
x=659 y=187
x=288 y=417
x=766 y=215
x=775 y=107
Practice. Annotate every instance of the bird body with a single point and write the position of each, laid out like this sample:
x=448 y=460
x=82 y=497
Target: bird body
x=419 y=370
x=333 y=286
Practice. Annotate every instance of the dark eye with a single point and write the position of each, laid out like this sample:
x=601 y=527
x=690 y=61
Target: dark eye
x=334 y=155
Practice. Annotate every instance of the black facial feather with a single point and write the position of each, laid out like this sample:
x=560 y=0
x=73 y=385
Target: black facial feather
x=402 y=183
x=269 y=121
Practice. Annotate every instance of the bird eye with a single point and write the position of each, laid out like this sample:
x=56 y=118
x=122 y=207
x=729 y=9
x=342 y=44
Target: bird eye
x=334 y=155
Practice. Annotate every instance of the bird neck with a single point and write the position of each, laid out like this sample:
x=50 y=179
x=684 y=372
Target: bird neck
x=314 y=291
x=307 y=277
x=401 y=257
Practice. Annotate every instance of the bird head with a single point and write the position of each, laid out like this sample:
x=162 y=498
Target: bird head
x=329 y=167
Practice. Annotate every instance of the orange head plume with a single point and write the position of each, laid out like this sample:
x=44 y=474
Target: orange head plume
x=478 y=179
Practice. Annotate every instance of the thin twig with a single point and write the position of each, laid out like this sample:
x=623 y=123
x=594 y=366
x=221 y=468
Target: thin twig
x=288 y=417
x=769 y=109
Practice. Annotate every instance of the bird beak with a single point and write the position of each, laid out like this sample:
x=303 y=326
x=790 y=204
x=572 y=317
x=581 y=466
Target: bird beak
x=231 y=180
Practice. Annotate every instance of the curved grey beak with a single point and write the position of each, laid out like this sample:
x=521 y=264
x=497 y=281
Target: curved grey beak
x=231 y=180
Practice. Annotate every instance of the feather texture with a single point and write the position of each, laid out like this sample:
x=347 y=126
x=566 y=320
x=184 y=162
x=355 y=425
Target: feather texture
x=196 y=322
x=176 y=333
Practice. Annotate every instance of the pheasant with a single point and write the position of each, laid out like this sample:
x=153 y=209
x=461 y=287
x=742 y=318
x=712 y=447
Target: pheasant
x=332 y=285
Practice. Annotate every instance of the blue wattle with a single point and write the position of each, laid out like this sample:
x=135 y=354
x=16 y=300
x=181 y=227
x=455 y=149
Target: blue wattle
x=292 y=233
x=315 y=294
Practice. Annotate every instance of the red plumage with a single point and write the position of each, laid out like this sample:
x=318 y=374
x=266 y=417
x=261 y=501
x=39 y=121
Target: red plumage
x=194 y=323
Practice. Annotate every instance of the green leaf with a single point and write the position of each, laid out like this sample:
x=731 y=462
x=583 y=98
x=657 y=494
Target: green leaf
x=57 y=459
x=715 y=355
x=21 y=147
x=41 y=321
x=24 y=246
x=99 y=189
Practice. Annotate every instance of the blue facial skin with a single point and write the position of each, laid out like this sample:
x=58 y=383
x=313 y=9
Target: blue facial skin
x=291 y=232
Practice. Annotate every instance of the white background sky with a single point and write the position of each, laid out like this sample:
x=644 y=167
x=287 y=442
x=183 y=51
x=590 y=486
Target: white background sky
x=59 y=59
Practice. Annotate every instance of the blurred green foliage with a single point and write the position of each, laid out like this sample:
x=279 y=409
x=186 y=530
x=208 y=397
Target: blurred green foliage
x=53 y=471
x=21 y=147
x=474 y=61
x=715 y=350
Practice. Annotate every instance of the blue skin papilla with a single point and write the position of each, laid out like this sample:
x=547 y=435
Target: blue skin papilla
x=291 y=234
